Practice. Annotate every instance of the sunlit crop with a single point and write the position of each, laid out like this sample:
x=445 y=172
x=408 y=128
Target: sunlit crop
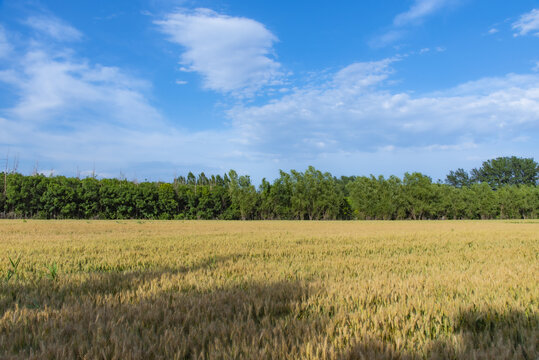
x=269 y=290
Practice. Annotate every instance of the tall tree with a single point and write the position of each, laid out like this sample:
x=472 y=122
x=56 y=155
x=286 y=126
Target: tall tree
x=281 y=196
x=458 y=178
x=507 y=171
x=296 y=195
x=418 y=195
x=243 y=195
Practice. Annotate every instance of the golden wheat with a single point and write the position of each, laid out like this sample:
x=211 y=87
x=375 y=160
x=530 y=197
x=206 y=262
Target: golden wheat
x=269 y=290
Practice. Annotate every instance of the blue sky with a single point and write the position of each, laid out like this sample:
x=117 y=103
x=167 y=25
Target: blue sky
x=149 y=89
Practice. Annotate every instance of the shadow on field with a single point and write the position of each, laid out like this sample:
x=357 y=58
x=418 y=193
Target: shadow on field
x=145 y=315
x=44 y=293
x=248 y=321
x=153 y=315
x=476 y=334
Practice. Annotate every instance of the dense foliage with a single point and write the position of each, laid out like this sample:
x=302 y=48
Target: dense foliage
x=501 y=188
x=498 y=172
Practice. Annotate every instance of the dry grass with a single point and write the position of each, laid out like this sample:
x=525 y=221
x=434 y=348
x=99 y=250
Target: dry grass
x=268 y=290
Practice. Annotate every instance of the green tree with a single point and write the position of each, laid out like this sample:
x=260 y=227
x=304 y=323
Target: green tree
x=508 y=202
x=147 y=200
x=89 y=198
x=281 y=196
x=267 y=201
x=418 y=194
x=377 y=198
x=243 y=195
x=221 y=198
x=315 y=195
x=206 y=206
x=296 y=195
x=60 y=199
x=167 y=203
x=363 y=197
x=482 y=202
x=115 y=201
x=459 y=178
x=507 y=171
x=529 y=202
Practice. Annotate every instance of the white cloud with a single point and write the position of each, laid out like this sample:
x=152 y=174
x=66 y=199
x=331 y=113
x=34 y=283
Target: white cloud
x=415 y=15
x=528 y=23
x=70 y=112
x=419 y=10
x=363 y=74
x=387 y=38
x=59 y=87
x=233 y=54
x=54 y=28
x=181 y=82
x=355 y=112
x=493 y=31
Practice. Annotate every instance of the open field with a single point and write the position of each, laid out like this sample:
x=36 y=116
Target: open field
x=268 y=290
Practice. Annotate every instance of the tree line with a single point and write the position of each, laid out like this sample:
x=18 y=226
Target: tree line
x=501 y=188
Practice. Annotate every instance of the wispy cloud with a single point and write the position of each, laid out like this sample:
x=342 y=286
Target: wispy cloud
x=419 y=10
x=69 y=111
x=53 y=27
x=70 y=90
x=387 y=38
x=355 y=111
x=234 y=55
x=415 y=15
x=527 y=24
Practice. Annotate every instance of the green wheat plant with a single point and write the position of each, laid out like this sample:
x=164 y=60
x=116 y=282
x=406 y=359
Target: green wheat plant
x=12 y=271
x=53 y=271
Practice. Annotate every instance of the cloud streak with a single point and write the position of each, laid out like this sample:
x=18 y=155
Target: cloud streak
x=355 y=111
x=419 y=10
x=527 y=24
x=58 y=87
x=234 y=55
x=415 y=15
x=54 y=28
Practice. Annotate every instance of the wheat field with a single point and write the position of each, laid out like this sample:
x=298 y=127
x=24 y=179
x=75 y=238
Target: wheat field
x=269 y=290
